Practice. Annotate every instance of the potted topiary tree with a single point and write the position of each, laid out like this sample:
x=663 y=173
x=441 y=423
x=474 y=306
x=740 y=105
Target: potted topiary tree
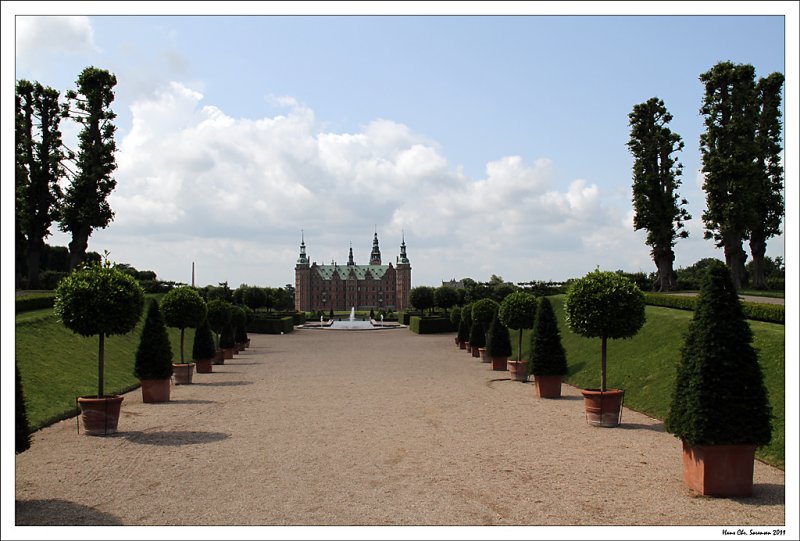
x=153 y=363
x=219 y=318
x=498 y=344
x=226 y=341
x=517 y=311
x=483 y=312
x=720 y=408
x=250 y=316
x=183 y=307
x=99 y=300
x=548 y=360
x=239 y=321
x=607 y=305
x=203 y=349
x=466 y=319
x=455 y=319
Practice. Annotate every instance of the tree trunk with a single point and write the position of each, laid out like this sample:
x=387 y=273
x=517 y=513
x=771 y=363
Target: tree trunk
x=665 y=281
x=603 y=365
x=78 y=245
x=735 y=257
x=758 y=248
x=34 y=256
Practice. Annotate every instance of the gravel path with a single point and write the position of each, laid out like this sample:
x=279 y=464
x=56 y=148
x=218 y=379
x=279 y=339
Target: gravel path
x=368 y=428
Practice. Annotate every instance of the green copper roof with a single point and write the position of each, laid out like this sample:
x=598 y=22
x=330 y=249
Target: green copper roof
x=326 y=272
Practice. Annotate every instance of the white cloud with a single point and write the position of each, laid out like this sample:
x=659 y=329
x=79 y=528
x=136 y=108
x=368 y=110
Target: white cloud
x=39 y=36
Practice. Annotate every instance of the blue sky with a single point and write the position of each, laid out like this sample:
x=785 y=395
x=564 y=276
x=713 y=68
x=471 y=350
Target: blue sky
x=495 y=144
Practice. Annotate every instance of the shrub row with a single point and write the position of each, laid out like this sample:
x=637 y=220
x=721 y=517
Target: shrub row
x=34 y=302
x=271 y=325
x=771 y=313
x=430 y=325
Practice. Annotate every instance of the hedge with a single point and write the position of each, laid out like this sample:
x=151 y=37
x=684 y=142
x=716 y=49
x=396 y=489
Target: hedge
x=405 y=317
x=771 y=313
x=34 y=302
x=430 y=325
x=272 y=325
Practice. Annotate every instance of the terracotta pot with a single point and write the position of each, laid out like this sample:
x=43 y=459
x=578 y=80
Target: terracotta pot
x=100 y=416
x=219 y=357
x=725 y=471
x=155 y=390
x=603 y=408
x=228 y=353
x=183 y=373
x=204 y=366
x=499 y=363
x=548 y=386
x=475 y=352
x=518 y=370
x=462 y=345
x=484 y=357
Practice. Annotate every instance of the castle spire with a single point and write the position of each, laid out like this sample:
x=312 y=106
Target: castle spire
x=303 y=259
x=350 y=261
x=375 y=255
x=403 y=257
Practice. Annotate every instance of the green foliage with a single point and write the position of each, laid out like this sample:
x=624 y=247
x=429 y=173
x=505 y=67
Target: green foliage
x=22 y=429
x=466 y=315
x=498 y=341
x=772 y=313
x=271 y=325
x=518 y=310
x=605 y=304
x=34 y=302
x=477 y=336
x=422 y=297
x=691 y=277
x=154 y=354
x=483 y=311
x=445 y=297
x=239 y=322
x=719 y=396
x=547 y=356
x=203 y=346
x=183 y=307
x=219 y=315
x=227 y=339
x=463 y=331
x=253 y=297
x=455 y=316
x=430 y=325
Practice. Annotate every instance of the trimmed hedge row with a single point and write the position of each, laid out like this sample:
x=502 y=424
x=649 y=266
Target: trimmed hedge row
x=273 y=325
x=771 y=313
x=430 y=325
x=34 y=302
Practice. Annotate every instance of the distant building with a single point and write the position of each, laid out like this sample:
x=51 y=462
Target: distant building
x=363 y=287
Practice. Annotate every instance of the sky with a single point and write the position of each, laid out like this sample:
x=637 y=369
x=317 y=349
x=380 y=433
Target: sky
x=492 y=144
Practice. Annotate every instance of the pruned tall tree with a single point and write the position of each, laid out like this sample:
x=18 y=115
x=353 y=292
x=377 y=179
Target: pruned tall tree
x=85 y=205
x=656 y=178
x=729 y=154
x=768 y=205
x=39 y=168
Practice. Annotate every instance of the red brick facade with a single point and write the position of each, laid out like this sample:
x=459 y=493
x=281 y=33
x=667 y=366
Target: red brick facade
x=342 y=287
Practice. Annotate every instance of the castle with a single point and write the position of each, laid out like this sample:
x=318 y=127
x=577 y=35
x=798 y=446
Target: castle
x=363 y=287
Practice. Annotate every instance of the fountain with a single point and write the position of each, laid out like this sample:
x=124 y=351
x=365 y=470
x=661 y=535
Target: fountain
x=352 y=313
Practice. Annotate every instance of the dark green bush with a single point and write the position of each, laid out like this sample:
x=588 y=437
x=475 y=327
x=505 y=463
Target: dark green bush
x=477 y=336
x=183 y=307
x=719 y=396
x=466 y=316
x=430 y=325
x=226 y=338
x=498 y=341
x=34 y=302
x=154 y=354
x=203 y=346
x=262 y=324
x=49 y=279
x=463 y=331
x=22 y=428
x=219 y=316
x=771 y=313
x=455 y=316
x=239 y=321
x=548 y=357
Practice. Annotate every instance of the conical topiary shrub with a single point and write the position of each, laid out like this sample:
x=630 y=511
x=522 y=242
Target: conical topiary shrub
x=548 y=360
x=498 y=344
x=239 y=322
x=455 y=319
x=483 y=312
x=477 y=337
x=720 y=403
x=463 y=334
x=153 y=362
x=227 y=342
x=203 y=348
x=22 y=428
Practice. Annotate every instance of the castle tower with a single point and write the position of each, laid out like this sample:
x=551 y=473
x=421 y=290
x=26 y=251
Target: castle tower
x=375 y=255
x=302 y=279
x=403 y=287
x=350 y=261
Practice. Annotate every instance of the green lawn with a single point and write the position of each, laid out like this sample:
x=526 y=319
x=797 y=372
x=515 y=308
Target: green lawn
x=56 y=365
x=645 y=365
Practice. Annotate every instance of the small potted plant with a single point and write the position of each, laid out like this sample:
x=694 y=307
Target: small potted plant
x=183 y=307
x=483 y=312
x=239 y=321
x=153 y=363
x=99 y=300
x=227 y=342
x=203 y=349
x=517 y=311
x=548 y=360
x=466 y=319
x=219 y=317
x=250 y=316
x=720 y=408
x=498 y=344
x=455 y=319
x=607 y=305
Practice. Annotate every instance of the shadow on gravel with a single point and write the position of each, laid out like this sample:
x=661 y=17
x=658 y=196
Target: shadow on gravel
x=174 y=438
x=658 y=427
x=187 y=401
x=232 y=363
x=60 y=513
x=222 y=383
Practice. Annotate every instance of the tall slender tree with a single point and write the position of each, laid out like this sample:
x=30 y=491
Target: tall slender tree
x=656 y=178
x=40 y=155
x=768 y=205
x=729 y=154
x=85 y=206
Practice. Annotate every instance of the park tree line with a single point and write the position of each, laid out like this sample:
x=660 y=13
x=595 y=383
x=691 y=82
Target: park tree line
x=54 y=183
x=743 y=176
